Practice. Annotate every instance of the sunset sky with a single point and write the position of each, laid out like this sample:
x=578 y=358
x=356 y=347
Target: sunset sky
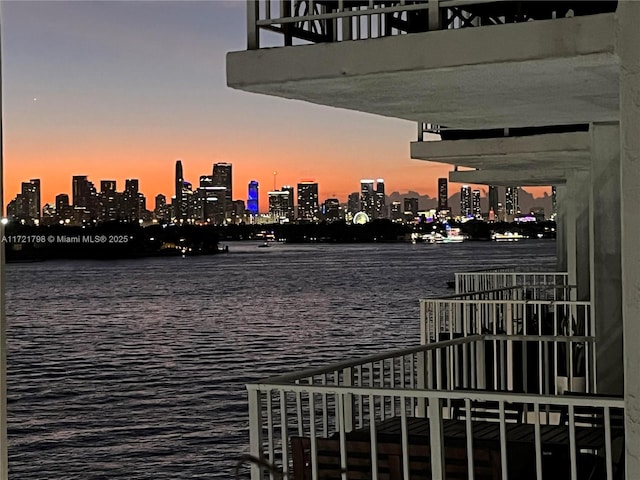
x=117 y=90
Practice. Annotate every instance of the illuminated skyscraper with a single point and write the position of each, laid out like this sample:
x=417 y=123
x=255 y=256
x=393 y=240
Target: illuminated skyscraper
x=308 y=207
x=554 y=202
x=411 y=207
x=493 y=199
x=367 y=197
x=253 y=198
x=222 y=178
x=465 y=201
x=279 y=205
x=477 y=212
x=331 y=210
x=180 y=207
x=290 y=213
x=31 y=194
x=511 y=201
x=380 y=200
x=443 y=194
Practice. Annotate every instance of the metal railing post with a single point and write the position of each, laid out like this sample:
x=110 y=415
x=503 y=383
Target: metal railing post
x=436 y=438
x=434 y=15
x=255 y=431
x=253 y=33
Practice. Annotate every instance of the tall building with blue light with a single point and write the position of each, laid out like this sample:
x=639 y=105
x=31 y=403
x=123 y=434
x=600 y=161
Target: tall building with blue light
x=253 y=204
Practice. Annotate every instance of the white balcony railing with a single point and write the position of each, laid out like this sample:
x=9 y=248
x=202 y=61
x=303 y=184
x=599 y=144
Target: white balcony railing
x=467 y=282
x=425 y=412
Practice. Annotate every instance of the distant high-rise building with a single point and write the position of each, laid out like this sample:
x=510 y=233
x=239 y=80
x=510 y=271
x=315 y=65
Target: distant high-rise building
x=396 y=211
x=161 y=207
x=477 y=212
x=465 y=201
x=353 y=203
x=493 y=200
x=511 y=201
x=62 y=202
x=31 y=200
x=380 y=200
x=367 y=197
x=308 y=207
x=554 y=201
x=411 y=206
x=443 y=194
x=253 y=205
x=109 y=200
x=331 y=210
x=222 y=177
x=291 y=211
x=279 y=205
x=132 y=200
x=85 y=202
x=180 y=207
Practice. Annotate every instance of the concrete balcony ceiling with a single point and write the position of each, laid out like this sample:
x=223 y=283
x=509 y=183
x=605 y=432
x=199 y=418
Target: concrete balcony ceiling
x=525 y=161
x=487 y=77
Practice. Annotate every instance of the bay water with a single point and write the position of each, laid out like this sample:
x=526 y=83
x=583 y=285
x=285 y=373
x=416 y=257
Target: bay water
x=136 y=369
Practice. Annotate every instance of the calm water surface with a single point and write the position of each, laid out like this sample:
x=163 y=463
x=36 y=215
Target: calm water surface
x=136 y=369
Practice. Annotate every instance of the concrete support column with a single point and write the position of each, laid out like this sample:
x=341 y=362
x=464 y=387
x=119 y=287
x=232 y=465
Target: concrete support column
x=577 y=233
x=561 y=229
x=606 y=281
x=627 y=41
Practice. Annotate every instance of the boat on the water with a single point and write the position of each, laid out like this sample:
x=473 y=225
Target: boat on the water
x=507 y=237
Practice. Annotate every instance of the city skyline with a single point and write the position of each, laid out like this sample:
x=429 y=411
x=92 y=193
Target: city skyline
x=123 y=89
x=371 y=199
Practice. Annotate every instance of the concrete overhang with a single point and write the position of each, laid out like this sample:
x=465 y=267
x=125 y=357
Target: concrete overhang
x=488 y=77
x=525 y=178
x=525 y=161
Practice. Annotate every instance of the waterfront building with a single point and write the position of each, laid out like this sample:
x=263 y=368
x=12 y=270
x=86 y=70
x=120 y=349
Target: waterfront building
x=396 y=212
x=331 y=211
x=493 y=202
x=279 y=202
x=353 y=203
x=222 y=177
x=380 y=200
x=475 y=204
x=411 y=207
x=465 y=201
x=133 y=202
x=308 y=207
x=443 y=194
x=253 y=198
x=554 y=202
x=291 y=209
x=367 y=197
x=160 y=210
x=511 y=203
x=180 y=201
x=85 y=202
x=535 y=94
x=109 y=201
x=25 y=207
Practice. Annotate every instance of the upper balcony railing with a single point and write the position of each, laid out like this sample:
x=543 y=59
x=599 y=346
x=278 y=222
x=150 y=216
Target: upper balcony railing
x=319 y=21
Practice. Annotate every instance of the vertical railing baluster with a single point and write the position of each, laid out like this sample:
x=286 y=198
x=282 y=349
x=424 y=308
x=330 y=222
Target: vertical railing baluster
x=342 y=435
x=325 y=410
x=314 y=440
x=503 y=441
x=405 y=437
x=436 y=439
x=469 y=432
x=284 y=430
x=538 y=440
x=572 y=443
x=607 y=443
x=253 y=31
x=270 y=432
x=374 y=438
x=255 y=431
